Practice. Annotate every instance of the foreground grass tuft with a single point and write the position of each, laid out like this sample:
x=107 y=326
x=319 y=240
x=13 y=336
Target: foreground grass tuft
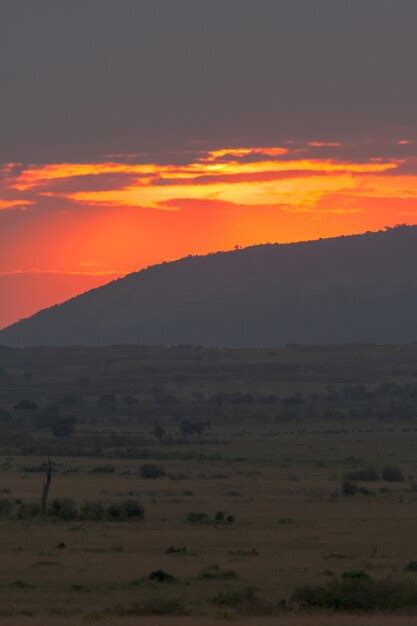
x=356 y=591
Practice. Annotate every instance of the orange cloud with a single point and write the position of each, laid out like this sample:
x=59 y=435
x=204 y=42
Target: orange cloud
x=246 y=176
x=324 y=144
x=133 y=212
x=12 y=204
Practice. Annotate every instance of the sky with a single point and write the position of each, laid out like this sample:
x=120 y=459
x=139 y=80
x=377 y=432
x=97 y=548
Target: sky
x=139 y=131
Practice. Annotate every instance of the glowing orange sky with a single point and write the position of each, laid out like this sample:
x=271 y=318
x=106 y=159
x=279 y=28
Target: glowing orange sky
x=88 y=222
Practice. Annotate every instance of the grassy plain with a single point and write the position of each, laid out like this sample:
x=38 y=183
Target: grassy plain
x=279 y=474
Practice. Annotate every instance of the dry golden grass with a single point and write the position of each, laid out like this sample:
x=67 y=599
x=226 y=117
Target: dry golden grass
x=282 y=510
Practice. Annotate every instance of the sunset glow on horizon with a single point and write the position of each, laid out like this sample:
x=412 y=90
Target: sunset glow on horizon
x=115 y=215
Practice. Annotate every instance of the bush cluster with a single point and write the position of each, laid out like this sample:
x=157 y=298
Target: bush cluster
x=235 y=597
x=365 y=475
x=390 y=473
x=203 y=518
x=65 y=509
x=215 y=572
x=357 y=592
x=152 y=606
x=161 y=576
x=150 y=471
x=352 y=489
x=103 y=469
x=176 y=550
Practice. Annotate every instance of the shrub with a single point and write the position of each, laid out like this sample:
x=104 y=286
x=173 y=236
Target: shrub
x=349 y=488
x=20 y=584
x=163 y=606
x=174 y=550
x=124 y=510
x=360 y=593
x=107 y=402
x=411 y=566
x=27 y=510
x=103 y=469
x=236 y=597
x=116 y=548
x=392 y=474
x=252 y=552
x=355 y=573
x=34 y=469
x=26 y=405
x=63 y=427
x=154 y=606
x=160 y=576
x=197 y=518
x=92 y=510
x=78 y=587
x=365 y=475
x=63 y=508
x=150 y=471
x=7 y=507
x=116 y=511
x=5 y=416
x=214 y=572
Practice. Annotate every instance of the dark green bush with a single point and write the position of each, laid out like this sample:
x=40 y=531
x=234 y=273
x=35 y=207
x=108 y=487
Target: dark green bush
x=103 y=469
x=153 y=606
x=27 y=510
x=125 y=510
x=20 y=584
x=392 y=474
x=26 y=405
x=163 y=606
x=235 y=597
x=349 y=488
x=202 y=518
x=63 y=508
x=215 y=572
x=244 y=552
x=411 y=566
x=197 y=518
x=174 y=550
x=34 y=469
x=160 y=576
x=5 y=416
x=63 y=427
x=358 y=593
x=148 y=470
x=355 y=573
x=7 y=507
x=93 y=511
x=365 y=475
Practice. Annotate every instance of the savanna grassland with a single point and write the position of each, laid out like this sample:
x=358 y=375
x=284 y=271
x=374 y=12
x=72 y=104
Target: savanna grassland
x=193 y=485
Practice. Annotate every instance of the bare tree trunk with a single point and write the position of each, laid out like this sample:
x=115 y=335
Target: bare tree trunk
x=46 y=484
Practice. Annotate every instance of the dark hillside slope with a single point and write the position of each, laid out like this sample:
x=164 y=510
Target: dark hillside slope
x=348 y=289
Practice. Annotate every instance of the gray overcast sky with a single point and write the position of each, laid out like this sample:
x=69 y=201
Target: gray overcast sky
x=81 y=78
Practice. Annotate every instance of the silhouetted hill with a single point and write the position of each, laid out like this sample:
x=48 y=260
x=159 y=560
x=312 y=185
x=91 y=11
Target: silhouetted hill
x=349 y=289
